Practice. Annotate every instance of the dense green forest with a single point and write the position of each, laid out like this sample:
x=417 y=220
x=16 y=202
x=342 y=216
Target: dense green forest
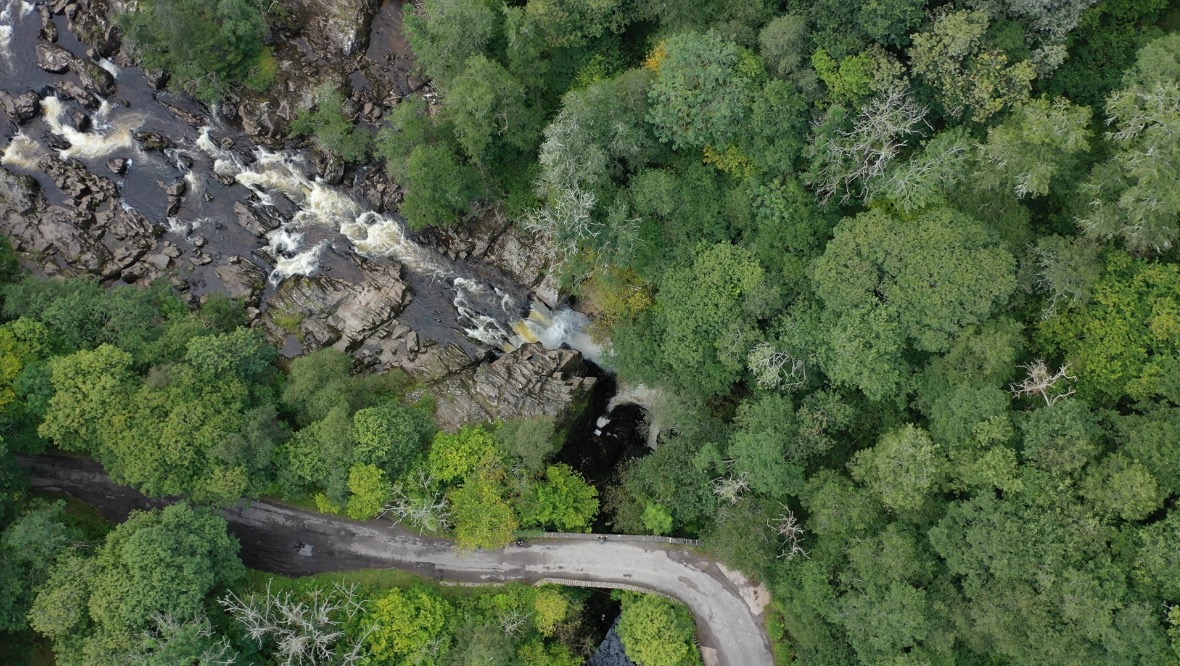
x=903 y=272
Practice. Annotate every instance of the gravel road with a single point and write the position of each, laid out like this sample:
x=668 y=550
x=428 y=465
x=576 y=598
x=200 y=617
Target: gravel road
x=280 y=539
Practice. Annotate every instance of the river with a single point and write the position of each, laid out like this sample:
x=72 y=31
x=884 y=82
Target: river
x=320 y=226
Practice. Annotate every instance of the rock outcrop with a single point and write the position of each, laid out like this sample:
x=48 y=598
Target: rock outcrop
x=92 y=233
x=326 y=311
x=529 y=381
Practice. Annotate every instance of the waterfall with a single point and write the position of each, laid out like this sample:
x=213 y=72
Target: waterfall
x=109 y=66
x=113 y=133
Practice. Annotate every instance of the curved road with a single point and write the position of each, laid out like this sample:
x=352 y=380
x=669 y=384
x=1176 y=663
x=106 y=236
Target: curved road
x=280 y=539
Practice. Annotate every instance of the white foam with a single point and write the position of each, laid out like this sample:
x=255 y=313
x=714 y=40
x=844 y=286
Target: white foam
x=117 y=134
x=109 y=66
x=374 y=235
x=22 y=152
x=5 y=40
x=26 y=8
x=378 y=236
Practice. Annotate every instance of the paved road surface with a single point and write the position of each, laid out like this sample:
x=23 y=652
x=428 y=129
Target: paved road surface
x=290 y=541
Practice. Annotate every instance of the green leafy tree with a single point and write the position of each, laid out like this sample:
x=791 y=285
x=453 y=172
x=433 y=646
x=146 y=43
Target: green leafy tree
x=905 y=468
x=702 y=91
x=1131 y=193
x=439 y=188
x=485 y=101
x=657 y=520
x=1123 y=488
x=657 y=632
x=455 y=456
x=207 y=47
x=574 y=22
x=159 y=564
x=973 y=77
x=162 y=562
x=785 y=45
x=532 y=439
x=445 y=33
x=370 y=490
x=192 y=642
x=890 y=22
x=410 y=626
x=708 y=319
x=563 y=501
x=481 y=512
x=1126 y=338
x=332 y=131
x=1041 y=140
x=87 y=387
x=887 y=284
x=28 y=549
x=481 y=644
x=391 y=436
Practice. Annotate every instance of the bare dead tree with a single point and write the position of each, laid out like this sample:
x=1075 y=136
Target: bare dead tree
x=850 y=158
x=773 y=369
x=419 y=504
x=1043 y=382
x=729 y=488
x=305 y=629
x=512 y=621
x=791 y=531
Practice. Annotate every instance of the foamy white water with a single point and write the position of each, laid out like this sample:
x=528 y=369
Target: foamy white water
x=290 y=259
x=109 y=66
x=22 y=152
x=375 y=235
x=378 y=236
x=5 y=41
x=112 y=133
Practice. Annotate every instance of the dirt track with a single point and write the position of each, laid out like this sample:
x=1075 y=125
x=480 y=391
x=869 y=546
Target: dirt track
x=284 y=540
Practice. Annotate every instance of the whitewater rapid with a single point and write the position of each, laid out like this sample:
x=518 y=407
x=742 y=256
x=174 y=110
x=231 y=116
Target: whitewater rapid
x=486 y=313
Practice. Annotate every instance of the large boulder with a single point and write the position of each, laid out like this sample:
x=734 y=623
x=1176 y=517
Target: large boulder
x=53 y=58
x=18 y=193
x=526 y=382
x=242 y=279
x=253 y=220
x=21 y=108
x=326 y=311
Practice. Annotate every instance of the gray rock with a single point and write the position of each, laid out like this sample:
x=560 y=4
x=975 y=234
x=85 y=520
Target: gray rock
x=23 y=107
x=18 y=193
x=94 y=77
x=156 y=78
x=53 y=58
x=160 y=261
x=153 y=141
x=251 y=220
x=331 y=310
x=242 y=280
x=118 y=166
x=71 y=90
x=529 y=381
x=86 y=190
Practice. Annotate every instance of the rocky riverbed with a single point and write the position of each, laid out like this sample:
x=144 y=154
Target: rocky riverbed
x=106 y=173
